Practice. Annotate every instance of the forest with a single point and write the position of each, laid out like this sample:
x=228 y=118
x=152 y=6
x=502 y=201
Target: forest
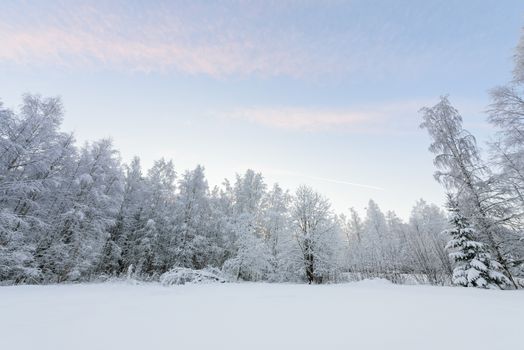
x=73 y=212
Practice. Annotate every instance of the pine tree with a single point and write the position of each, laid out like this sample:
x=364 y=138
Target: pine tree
x=474 y=266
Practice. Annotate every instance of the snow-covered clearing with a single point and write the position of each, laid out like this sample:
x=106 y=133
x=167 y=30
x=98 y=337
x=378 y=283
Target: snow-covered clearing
x=364 y=315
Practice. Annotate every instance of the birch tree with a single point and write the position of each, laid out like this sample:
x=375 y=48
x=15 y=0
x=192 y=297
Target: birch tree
x=460 y=169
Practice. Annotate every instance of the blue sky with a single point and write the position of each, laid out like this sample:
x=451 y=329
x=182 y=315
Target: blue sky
x=321 y=93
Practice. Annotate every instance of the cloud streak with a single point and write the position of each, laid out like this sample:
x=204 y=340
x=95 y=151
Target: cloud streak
x=191 y=40
x=304 y=119
x=386 y=117
x=323 y=179
x=211 y=38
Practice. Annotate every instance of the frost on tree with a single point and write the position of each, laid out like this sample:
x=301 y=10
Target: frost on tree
x=506 y=114
x=315 y=232
x=252 y=256
x=425 y=243
x=193 y=244
x=275 y=230
x=34 y=159
x=474 y=266
x=462 y=171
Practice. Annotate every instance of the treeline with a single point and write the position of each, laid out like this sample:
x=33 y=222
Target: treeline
x=71 y=213
x=78 y=214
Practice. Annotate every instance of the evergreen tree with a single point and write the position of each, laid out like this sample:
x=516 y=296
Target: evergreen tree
x=474 y=266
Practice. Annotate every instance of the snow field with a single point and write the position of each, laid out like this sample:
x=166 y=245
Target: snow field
x=363 y=315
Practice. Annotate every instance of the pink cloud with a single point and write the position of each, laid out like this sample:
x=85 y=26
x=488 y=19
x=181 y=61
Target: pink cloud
x=217 y=38
x=212 y=38
x=304 y=119
x=91 y=38
x=75 y=49
x=387 y=117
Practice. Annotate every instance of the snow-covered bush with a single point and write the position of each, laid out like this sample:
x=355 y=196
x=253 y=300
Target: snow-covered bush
x=183 y=275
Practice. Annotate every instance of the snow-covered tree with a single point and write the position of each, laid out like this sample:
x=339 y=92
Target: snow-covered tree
x=85 y=212
x=356 y=225
x=192 y=211
x=518 y=70
x=426 y=241
x=119 y=250
x=462 y=170
x=221 y=234
x=374 y=242
x=251 y=258
x=159 y=216
x=275 y=227
x=506 y=113
x=34 y=156
x=352 y=228
x=474 y=266
x=315 y=233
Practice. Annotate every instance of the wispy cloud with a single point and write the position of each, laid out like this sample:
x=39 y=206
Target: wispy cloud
x=212 y=38
x=187 y=38
x=379 y=118
x=304 y=119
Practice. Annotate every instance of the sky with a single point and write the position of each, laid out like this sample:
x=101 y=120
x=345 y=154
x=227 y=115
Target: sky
x=323 y=93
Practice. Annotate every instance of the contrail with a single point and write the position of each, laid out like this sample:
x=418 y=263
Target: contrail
x=348 y=183
x=345 y=183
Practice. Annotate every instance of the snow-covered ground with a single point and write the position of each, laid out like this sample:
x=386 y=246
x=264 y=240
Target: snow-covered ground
x=364 y=315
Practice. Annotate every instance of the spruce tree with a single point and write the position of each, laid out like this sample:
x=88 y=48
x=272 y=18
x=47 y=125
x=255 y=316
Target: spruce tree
x=474 y=266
